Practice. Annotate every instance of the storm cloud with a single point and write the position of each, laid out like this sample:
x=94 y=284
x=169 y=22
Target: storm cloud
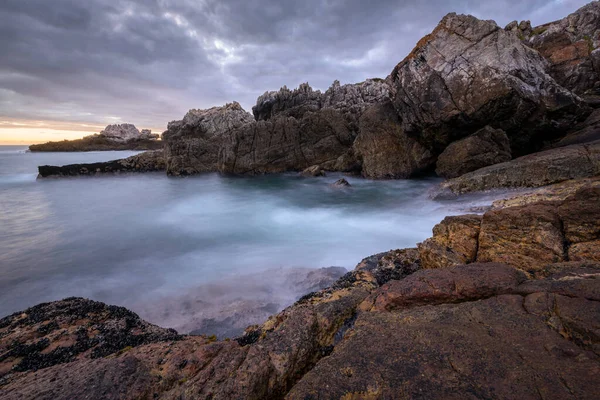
x=148 y=61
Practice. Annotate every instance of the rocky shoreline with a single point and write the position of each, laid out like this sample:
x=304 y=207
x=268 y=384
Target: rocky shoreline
x=500 y=305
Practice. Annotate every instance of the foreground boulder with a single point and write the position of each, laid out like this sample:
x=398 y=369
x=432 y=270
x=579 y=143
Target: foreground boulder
x=113 y=137
x=150 y=161
x=469 y=73
x=192 y=145
x=485 y=147
x=534 y=170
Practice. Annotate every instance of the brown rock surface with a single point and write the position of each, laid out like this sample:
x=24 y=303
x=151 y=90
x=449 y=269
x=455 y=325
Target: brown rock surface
x=534 y=170
x=497 y=347
x=570 y=45
x=454 y=242
x=487 y=146
x=527 y=237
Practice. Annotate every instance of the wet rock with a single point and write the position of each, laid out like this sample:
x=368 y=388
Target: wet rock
x=469 y=73
x=341 y=183
x=313 y=171
x=534 y=170
x=192 y=145
x=454 y=242
x=485 y=147
x=60 y=332
x=150 y=161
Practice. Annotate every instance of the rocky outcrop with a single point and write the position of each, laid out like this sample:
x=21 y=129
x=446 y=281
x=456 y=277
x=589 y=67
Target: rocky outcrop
x=125 y=133
x=72 y=329
x=192 y=145
x=113 y=137
x=470 y=73
x=454 y=242
x=485 y=147
x=298 y=129
x=150 y=161
x=387 y=327
x=570 y=45
x=534 y=170
x=586 y=132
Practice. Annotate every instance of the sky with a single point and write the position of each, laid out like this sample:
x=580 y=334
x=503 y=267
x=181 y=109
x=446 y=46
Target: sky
x=70 y=67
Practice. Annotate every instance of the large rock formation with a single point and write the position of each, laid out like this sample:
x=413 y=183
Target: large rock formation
x=150 y=161
x=298 y=129
x=192 y=145
x=113 y=137
x=571 y=47
x=470 y=73
x=534 y=170
x=481 y=330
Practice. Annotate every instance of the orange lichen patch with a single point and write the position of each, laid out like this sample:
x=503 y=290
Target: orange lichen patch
x=574 y=52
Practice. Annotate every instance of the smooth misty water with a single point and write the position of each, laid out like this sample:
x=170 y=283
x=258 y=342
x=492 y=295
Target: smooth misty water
x=129 y=240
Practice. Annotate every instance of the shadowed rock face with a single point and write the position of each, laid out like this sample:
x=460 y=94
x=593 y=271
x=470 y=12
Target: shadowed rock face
x=302 y=128
x=192 y=145
x=150 y=161
x=470 y=73
x=570 y=46
x=485 y=147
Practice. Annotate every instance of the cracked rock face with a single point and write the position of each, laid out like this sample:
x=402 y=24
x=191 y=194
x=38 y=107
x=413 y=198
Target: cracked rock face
x=298 y=129
x=192 y=145
x=470 y=73
x=571 y=47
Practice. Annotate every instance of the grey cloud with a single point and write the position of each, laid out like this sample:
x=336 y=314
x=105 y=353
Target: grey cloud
x=148 y=61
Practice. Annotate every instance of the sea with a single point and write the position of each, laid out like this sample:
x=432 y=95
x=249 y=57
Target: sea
x=146 y=240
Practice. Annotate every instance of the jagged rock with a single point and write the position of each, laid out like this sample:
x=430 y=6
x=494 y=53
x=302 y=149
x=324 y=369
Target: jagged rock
x=570 y=45
x=302 y=128
x=488 y=146
x=470 y=73
x=384 y=150
x=454 y=242
x=125 y=133
x=534 y=170
x=192 y=145
x=341 y=183
x=150 y=161
x=313 y=171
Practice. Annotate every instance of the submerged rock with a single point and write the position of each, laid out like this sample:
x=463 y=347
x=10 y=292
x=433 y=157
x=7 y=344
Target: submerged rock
x=313 y=171
x=341 y=183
